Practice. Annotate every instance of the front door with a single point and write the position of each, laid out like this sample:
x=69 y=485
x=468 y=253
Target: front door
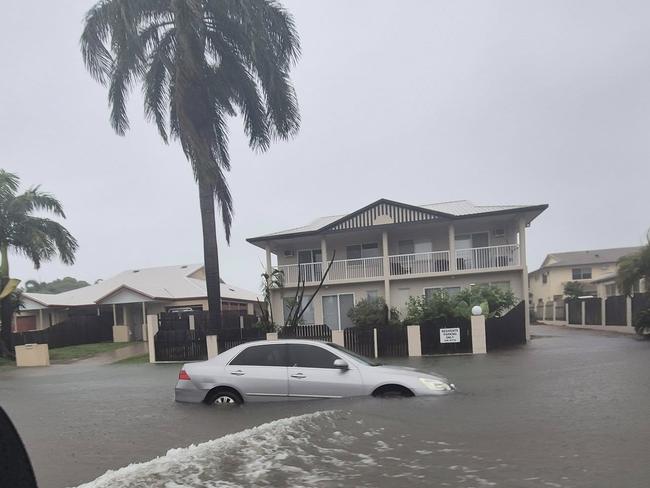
x=260 y=372
x=312 y=374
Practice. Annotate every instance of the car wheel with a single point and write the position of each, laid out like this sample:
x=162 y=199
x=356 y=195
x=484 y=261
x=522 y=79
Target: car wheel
x=392 y=391
x=224 y=398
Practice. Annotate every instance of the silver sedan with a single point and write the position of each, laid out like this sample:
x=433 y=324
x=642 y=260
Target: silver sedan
x=298 y=369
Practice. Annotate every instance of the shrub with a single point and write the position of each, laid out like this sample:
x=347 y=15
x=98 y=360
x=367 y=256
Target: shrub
x=371 y=312
x=642 y=323
x=438 y=305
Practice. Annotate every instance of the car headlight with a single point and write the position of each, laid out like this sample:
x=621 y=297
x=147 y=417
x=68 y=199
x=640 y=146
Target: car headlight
x=436 y=385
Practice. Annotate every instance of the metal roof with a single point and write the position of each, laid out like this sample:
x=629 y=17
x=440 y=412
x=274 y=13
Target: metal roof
x=451 y=209
x=161 y=283
x=596 y=256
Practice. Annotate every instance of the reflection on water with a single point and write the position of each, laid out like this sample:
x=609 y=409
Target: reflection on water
x=324 y=449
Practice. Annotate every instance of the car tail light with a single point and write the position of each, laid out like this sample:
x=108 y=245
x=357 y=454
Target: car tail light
x=183 y=375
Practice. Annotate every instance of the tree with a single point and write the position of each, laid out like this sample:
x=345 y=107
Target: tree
x=57 y=286
x=370 y=312
x=38 y=238
x=573 y=289
x=633 y=268
x=199 y=62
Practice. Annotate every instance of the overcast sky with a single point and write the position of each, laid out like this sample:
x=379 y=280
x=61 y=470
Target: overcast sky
x=500 y=102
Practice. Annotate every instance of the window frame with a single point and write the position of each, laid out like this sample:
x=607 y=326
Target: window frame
x=581 y=272
x=338 y=306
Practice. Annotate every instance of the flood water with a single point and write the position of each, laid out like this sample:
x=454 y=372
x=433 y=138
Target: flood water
x=565 y=411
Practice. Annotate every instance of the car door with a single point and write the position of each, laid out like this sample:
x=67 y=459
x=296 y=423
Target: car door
x=312 y=374
x=259 y=372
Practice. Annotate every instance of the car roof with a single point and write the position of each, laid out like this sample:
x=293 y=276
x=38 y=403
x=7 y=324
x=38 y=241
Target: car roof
x=285 y=341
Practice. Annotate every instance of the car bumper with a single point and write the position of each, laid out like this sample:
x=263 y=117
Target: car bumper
x=186 y=392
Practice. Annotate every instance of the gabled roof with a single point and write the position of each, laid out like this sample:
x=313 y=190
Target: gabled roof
x=161 y=283
x=397 y=212
x=596 y=256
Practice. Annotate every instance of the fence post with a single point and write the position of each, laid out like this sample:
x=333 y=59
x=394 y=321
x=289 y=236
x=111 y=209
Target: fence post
x=566 y=313
x=191 y=322
x=583 y=310
x=414 y=342
x=554 y=311
x=212 y=345
x=603 y=311
x=479 y=343
x=152 y=329
x=628 y=311
x=374 y=336
x=338 y=338
x=544 y=313
x=271 y=336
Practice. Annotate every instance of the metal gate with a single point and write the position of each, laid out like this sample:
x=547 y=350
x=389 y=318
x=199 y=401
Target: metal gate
x=360 y=340
x=432 y=342
x=392 y=341
x=174 y=340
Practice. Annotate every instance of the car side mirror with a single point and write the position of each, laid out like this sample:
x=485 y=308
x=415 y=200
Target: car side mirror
x=340 y=364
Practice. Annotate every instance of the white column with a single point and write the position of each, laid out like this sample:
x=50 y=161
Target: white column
x=152 y=329
x=603 y=311
x=452 y=248
x=583 y=309
x=479 y=341
x=414 y=341
x=40 y=319
x=553 y=310
x=628 y=311
x=114 y=315
x=524 y=273
x=269 y=267
x=212 y=346
x=124 y=316
x=386 y=261
x=374 y=335
x=338 y=337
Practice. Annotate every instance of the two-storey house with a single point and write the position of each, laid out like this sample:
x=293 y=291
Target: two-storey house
x=395 y=250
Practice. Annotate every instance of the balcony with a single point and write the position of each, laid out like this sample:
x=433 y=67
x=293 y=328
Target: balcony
x=342 y=270
x=405 y=265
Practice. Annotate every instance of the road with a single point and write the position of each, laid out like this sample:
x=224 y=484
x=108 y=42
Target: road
x=567 y=410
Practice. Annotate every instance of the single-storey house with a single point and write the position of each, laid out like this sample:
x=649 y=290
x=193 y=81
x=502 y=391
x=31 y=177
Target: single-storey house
x=129 y=297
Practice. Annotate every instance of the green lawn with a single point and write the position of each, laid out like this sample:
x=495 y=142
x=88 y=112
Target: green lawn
x=84 y=350
x=142 y=359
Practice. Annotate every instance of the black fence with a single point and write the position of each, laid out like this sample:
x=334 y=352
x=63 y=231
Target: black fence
x=317 y=332
x=575 y=311
x=615 y=310
x=74 y=331
x=180 y=345
x=560 y=311
x=593 y=311
x=360 y=340
x=181 y=320
x=548 y=311
x=506 y=331
x=228 y=338
x=640 y=302
x=392 y=341
x=432 y=343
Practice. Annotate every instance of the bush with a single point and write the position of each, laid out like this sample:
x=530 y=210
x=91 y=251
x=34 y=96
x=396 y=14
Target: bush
x=494 y=302
x=642 y=323
x=371 y=312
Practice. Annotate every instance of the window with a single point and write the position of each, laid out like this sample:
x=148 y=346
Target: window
x=358 y=251
x=266 y=355
x=372 y=294
x=335 y=310
x=504 y=285
x=544 y=278
x=307 y=316
x=581 y=273
x=306 y=356
x=450 y=290
x=406 y=247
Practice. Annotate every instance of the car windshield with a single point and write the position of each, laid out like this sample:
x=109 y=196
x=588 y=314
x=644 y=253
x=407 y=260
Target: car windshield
x=356 y=356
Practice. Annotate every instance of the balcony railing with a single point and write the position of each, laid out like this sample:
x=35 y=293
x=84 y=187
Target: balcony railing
x=426 y=263
x=419 y=263
x=488 y=257
x=346 y=269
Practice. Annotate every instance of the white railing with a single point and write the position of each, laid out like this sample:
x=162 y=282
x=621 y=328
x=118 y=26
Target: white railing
x=419 y=263
x=488 y=257
x=346 y=269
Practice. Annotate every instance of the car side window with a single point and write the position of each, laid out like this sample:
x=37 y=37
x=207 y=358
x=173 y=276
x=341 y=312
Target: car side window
x=267 y=355
x=306 y=356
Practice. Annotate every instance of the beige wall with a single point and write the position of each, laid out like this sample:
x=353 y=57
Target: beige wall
x=558 y=276
x=400 y=290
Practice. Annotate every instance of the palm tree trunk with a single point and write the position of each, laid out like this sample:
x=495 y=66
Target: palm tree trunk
x=210 y=255
x=6 y=307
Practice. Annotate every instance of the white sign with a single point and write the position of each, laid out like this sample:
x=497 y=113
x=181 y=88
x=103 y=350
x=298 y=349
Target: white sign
x=449 y=335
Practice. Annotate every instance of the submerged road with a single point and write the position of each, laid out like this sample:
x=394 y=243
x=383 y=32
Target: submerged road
x=567 y=410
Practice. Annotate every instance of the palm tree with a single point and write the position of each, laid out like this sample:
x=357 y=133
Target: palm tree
x=199 y=62
x=39 y=239
x=632 y=268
